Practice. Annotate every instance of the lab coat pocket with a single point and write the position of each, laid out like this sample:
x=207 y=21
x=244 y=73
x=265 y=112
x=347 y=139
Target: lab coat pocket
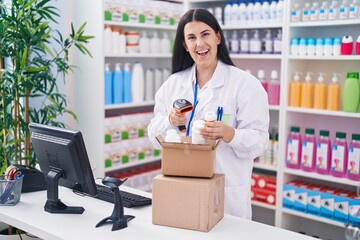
x=237 y=202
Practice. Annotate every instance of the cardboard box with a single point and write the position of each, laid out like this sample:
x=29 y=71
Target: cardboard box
x=186 y=159
x=191 y=203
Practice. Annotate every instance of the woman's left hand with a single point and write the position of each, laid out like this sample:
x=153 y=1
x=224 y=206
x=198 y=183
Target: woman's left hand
x=215 y=130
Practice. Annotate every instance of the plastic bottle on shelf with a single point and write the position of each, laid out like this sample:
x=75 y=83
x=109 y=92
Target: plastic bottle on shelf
x=268 y=43
x=354 y=9
x=347 y=44
x=295 y=91
x=127 y=83
x=250 y=11
x=319 y=48
x=155 y=43
x=242 y=12
x=307 y=92
x=344 y=10
x=118 y=91
x=353 y=168
x=257 y=12
x=255 y=42
x=268 y=156
x=262 y=79
x=278 y=42
x=351 y=92
x=274 y=89
x=324 y=11
x=308 y=150
x=122 y=41
x=310 y=48
x=295 y=13
x=275 y=158
x=323 y=153
x=165 y=44
x=265 y=11
x=357 y=48
x=339 y=155
x=234 y=43
x=280 y=11
x=306 y=12
x=293 y=153
x=115 y=40
x=137 y=83
x=144 y=43
x=272 y=10
x=294 y=47
x=235 y=12
x=108 y=85
x=227 y=13
x=333 y=94
x=149 y=85
x=302 y=46
x=333 y=11
x=107 y=39
x=314 y=12
x=337 y=47
x=320 y=92
x=328 y=46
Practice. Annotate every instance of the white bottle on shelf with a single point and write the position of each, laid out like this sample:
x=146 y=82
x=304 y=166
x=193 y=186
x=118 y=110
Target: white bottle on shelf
x=165 y=44
x=227 y=13
x=149 y=85
x=265 y=11
x=278 y=42
x=295 y=13
x=324 y=11
x=344 y=10
x=272 y=11
x=234 y=43
x=137 y=83
x=242 y=12
x=235 y=13
x=155 y=44
x=268 y=43
x=244 y=43
x=107 y=39
x=354 y=9
x=333 y=11
x=250 y=11
x=255 y=42
x=294 y=47
x=144 y=43
x=280 y=11
x=306 y=12
x=314 y=13
x=122 y=42
x=115 y=41
x=257 y=12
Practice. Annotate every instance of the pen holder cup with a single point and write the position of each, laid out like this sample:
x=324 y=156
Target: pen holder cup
x=10 y=191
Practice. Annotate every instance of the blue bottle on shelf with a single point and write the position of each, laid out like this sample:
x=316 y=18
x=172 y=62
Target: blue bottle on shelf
x=127 y=83
x=108 y=85
x=118 y=85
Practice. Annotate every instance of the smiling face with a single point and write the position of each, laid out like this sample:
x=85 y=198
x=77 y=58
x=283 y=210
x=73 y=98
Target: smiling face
x=201 y=41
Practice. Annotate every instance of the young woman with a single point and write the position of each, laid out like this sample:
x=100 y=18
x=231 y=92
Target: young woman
x=203 y=73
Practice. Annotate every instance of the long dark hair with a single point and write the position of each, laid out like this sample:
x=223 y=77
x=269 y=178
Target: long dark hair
x=181 y=59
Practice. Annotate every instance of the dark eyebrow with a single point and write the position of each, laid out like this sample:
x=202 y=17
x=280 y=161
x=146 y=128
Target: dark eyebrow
x=204 y=31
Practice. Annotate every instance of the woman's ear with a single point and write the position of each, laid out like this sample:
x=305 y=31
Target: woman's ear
x=184 y=45
x=218 y=35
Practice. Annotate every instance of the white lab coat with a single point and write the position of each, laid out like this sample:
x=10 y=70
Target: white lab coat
x=245 y=102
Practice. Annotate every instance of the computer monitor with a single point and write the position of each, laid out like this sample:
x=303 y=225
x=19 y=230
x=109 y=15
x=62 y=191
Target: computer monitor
x=62 y=156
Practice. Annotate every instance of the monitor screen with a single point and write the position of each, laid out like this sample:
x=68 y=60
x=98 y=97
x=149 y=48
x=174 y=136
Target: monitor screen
x=62 y=156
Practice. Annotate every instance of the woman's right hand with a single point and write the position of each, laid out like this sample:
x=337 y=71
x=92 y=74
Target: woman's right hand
x=177 y=119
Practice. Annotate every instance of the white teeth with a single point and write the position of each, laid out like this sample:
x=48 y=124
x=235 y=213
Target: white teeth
x=205 y=51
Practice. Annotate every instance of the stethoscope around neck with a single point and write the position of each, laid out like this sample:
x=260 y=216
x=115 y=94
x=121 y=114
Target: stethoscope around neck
x=195 y=104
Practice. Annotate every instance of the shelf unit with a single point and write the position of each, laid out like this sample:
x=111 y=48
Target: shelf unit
x=86 y=93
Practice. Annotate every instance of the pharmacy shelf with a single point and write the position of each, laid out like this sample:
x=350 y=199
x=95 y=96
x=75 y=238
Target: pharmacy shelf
x=132 y=164
x=140 y=25
x=129 y=105
x=313 y=217
x=255 y=56
x=263 y=205
x=327 y=58
x=329 y=23
x=327 y=178
x=253 y=26
x=323 y=112
x=265 y=167
x=139 y=55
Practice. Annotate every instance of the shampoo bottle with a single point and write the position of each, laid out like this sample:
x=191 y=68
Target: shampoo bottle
x=118 y=91
x=268 y=43
x=308 y=151
x=262 y=79
x=295 y=91
x=320 y=92
x=307 y=92
x=108 y=84
x=293 y=153
x=351 y=92
x=339 y=155
x=333 y=94
x=347 y=45
x=244 y=43
x=234 y=43
x=323 y=153
x=255 y=43
x=278 y=42
x=144 y=43
x=274 y=89
x=107 y=39
x=155 y=44
x=127 y=83
x=137 y=83
x=353 y=169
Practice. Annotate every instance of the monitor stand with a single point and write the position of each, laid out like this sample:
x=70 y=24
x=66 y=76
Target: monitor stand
x=53 y=203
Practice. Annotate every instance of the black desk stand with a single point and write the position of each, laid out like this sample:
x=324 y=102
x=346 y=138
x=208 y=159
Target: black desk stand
x=117 y=217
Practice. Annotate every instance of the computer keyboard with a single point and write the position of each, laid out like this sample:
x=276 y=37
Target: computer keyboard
x=129 y=199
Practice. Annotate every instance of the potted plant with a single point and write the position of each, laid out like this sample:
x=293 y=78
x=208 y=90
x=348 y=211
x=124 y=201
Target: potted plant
x=33 y=57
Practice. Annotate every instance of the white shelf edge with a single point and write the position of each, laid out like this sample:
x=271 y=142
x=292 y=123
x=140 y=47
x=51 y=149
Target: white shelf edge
x=132 y=164
x=255 y=56
x=274 y=107
x=140 y=25
x=252 y=26
x=265 y=167
x=328 y=58
x=323 y=112
x=313 y=217
x=139 y=55
x=327 y=178
x=129 y=105
x=263 y=205
x=327 y=23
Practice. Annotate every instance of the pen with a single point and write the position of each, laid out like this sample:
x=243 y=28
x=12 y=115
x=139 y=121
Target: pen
x=219 y=113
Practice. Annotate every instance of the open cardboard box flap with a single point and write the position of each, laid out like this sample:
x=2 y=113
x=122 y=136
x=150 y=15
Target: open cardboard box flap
x=186 y=144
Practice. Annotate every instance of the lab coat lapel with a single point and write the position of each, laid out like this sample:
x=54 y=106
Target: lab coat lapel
x=187 y=91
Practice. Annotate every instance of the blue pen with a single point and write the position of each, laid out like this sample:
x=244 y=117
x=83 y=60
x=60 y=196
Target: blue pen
x=219 y=113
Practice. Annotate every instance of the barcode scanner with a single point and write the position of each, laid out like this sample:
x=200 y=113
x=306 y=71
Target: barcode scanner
x=182 y=106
